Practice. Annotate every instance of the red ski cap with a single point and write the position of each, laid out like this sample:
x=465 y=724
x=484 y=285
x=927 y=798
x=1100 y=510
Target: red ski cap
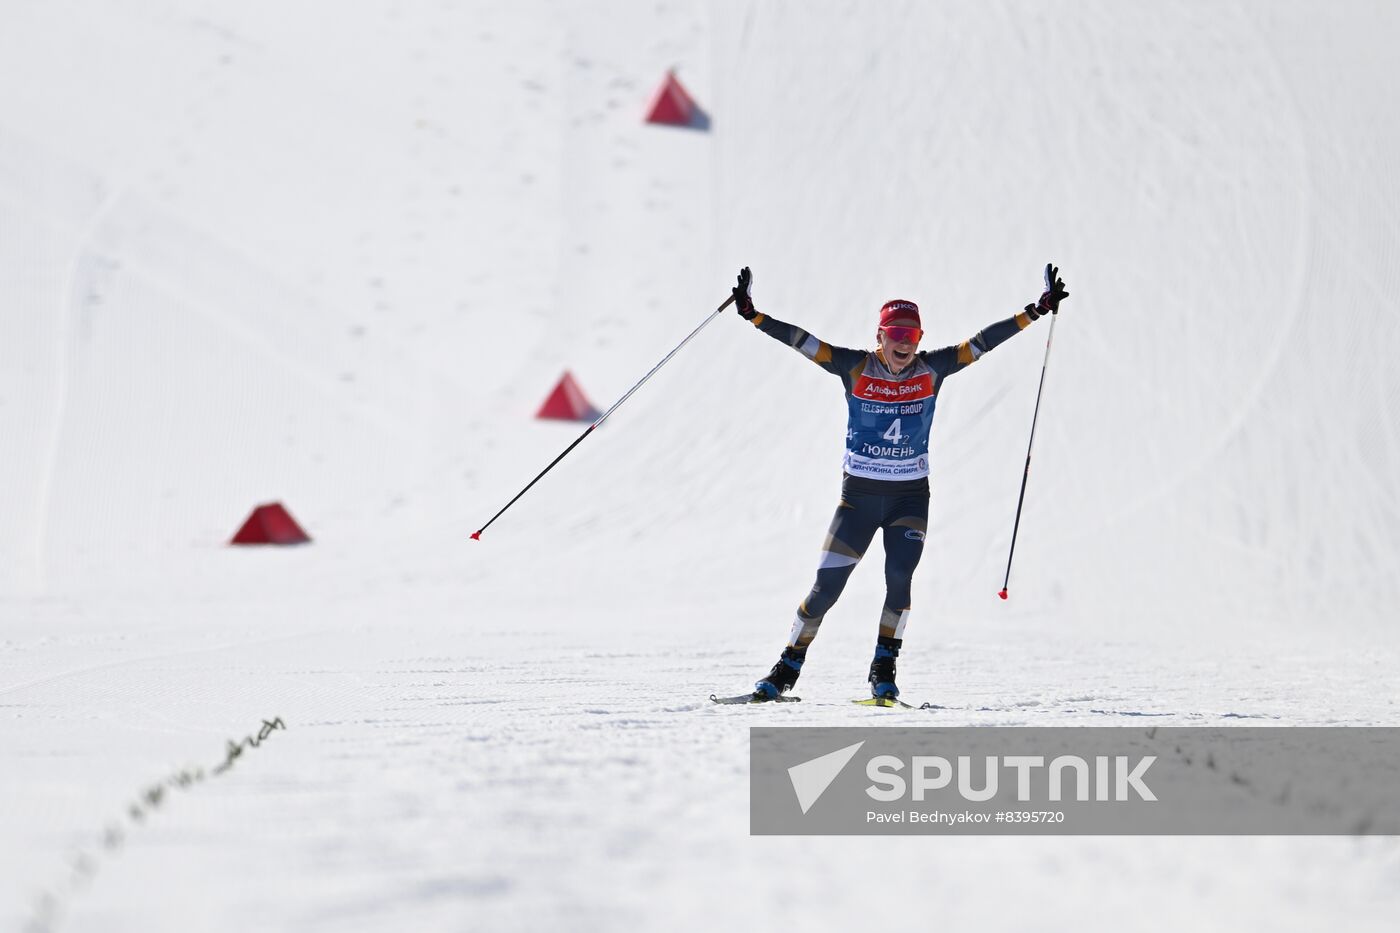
x=899 y=309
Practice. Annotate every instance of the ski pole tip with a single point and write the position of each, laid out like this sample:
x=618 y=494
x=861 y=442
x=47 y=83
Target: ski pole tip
x=476 y=536
x=1002 y=594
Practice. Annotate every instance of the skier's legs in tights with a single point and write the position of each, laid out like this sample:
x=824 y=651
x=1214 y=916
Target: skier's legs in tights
x=905 y=524
x=852 y=529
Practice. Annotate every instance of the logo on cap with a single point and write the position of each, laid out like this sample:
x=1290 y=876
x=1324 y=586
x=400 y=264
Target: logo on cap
x=899 y=310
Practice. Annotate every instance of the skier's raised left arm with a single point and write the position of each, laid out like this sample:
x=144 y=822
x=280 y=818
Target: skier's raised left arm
x=949 y=360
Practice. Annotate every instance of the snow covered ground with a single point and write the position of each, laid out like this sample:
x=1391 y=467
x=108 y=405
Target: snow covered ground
x=338 y=256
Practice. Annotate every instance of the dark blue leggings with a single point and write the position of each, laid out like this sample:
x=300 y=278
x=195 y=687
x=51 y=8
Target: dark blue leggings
x=901 y=509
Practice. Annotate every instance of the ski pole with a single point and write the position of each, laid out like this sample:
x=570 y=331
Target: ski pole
x=604 y=416
x=1026 y=475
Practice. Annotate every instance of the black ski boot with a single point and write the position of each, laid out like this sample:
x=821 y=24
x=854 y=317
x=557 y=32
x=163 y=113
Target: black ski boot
x=783 y=675
x=882 y=684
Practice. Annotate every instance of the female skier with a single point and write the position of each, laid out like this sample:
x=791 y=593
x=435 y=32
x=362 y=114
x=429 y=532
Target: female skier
x=890 y=395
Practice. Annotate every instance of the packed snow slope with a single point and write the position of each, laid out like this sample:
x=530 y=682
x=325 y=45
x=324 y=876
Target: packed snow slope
x=263 y=253
x=337 y=258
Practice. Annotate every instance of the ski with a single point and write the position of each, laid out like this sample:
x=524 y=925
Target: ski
x=885 y=702
x=753 y=698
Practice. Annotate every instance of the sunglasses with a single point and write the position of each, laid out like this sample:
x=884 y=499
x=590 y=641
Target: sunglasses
x=903 y=334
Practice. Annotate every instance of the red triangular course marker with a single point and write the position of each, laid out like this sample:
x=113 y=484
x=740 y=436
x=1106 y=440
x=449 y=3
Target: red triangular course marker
x=567 y=403
x=270 y=524
x=674 y=106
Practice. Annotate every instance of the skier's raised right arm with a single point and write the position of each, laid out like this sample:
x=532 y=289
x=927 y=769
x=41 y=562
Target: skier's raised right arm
x=835 y=360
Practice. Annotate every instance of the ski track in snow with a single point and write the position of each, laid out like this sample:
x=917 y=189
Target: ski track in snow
x=455 y=780
x=68 y=310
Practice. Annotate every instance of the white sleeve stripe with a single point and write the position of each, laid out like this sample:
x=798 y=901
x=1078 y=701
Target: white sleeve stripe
x=810 y=346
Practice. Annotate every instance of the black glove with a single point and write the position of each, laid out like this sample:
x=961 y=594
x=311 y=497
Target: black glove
x=743 y=295
x=1050 y=299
